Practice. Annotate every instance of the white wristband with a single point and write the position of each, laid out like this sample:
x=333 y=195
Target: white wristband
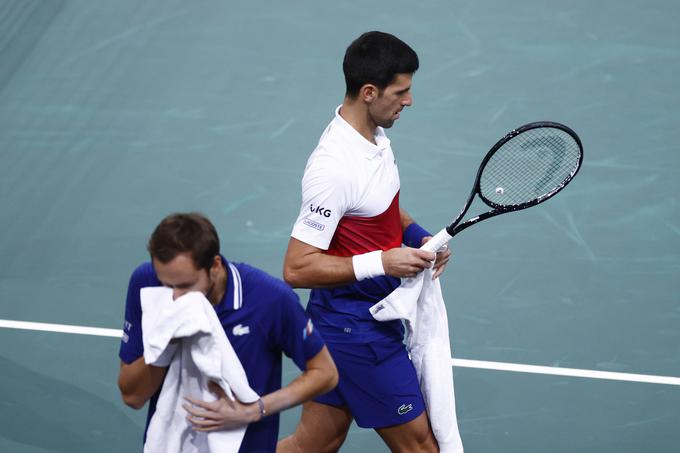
x=368 y=265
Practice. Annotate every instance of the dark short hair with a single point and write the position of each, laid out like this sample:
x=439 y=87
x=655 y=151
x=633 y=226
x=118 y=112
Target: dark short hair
x=376 y=58
x=185 y=232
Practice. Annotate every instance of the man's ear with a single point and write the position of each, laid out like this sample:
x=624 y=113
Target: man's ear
x=369 y=93
x=215 y=266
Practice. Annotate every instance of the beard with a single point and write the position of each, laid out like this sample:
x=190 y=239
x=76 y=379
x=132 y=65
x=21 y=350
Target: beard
x=217 y=286
x=386 y=123
x=211 y=292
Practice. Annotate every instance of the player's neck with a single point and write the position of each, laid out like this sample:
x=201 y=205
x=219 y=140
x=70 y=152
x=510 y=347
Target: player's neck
x=220 y=287
x=356 y=115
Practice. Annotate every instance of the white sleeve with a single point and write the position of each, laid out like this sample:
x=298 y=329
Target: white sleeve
x=324 y=202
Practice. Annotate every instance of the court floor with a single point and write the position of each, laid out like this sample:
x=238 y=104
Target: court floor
x=114 y=114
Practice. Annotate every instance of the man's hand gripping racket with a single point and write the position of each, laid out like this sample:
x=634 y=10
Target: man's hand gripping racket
x=528 y=166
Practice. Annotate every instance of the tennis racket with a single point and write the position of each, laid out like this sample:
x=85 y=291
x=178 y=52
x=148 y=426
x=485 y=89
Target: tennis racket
x=528 y=166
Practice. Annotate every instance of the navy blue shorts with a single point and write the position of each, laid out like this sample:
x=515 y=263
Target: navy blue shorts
x=378 y=384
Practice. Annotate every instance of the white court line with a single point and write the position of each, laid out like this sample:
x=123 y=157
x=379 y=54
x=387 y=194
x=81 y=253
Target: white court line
x=574 y=372
x=462 y=363
x=62 y=328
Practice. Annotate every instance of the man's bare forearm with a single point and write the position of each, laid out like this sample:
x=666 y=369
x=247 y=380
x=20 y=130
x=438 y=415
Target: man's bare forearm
x=308 y=267
x=320 y=376
x=138 y=382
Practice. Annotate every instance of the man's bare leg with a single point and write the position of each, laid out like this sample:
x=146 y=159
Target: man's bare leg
x=413 y=437
x=322 y=429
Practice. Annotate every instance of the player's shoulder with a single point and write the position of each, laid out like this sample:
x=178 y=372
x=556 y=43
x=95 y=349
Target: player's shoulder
x=334 y=146
x=326 y=156
x=329 y=166
x=144 y=275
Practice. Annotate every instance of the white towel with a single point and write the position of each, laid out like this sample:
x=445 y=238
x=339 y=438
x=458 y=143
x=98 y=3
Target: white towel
x=419 y=302
x=202 y=354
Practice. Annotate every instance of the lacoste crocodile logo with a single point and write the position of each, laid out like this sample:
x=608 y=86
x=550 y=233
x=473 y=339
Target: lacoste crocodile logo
x=405 y=409
x=240 y=329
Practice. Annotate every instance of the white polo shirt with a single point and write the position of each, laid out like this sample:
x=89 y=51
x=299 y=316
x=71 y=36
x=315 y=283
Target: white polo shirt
x=350 y=193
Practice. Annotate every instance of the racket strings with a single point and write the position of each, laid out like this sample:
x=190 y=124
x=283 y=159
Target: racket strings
x=529 y=166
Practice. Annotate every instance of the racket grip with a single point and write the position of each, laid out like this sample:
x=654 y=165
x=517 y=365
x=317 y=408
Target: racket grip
x=437 y=241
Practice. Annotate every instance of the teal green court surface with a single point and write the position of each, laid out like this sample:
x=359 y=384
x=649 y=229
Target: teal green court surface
x=115 y=114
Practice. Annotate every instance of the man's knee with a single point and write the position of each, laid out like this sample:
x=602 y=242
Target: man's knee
x=321 y=441
x=421 y=441
x=411 y=437
x=428 y=444
x=423 y=437
x=301 y=443
x=321 y=429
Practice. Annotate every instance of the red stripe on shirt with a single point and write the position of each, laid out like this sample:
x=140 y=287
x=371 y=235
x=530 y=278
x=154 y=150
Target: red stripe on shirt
x=356 y=235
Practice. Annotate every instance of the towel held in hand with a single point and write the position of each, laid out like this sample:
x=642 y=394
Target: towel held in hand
x=419 y=302
x=200 y=353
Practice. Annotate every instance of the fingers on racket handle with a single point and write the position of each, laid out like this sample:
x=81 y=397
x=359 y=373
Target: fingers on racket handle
x=437 y=241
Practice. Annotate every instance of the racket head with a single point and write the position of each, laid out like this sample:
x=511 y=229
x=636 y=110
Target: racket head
x=529 y=165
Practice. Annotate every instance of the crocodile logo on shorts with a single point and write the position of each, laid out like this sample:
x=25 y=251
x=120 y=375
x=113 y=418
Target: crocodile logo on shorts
x=405 y=409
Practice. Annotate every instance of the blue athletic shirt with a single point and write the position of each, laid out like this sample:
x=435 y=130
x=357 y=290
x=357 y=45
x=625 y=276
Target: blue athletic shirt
x=268 y=320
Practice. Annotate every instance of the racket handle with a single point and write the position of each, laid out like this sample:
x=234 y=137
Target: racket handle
x=437 y=241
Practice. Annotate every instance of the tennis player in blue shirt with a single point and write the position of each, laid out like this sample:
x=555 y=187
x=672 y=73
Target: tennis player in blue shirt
x=261 y=316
